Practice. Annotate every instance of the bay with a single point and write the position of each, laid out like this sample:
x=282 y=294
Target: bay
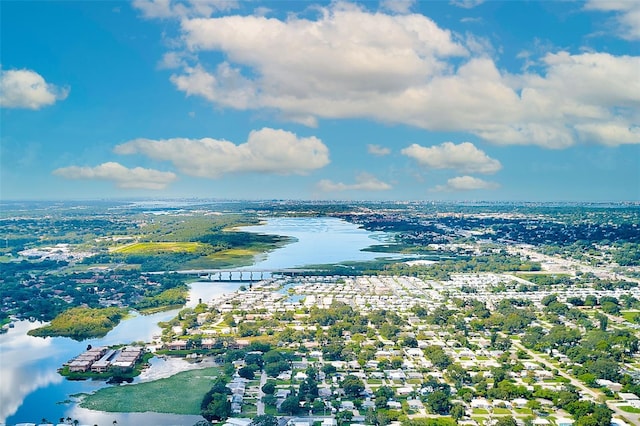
x=31 y=389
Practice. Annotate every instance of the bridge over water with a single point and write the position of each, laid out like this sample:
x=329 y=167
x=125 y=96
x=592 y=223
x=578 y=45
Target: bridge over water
x=235 y=275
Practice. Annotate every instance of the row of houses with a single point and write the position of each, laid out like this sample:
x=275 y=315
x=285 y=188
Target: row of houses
x=101 y=359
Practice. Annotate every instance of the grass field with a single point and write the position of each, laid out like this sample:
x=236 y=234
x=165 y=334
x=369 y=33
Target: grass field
x=178 y=394
x=224 y=259
x=629 y=409
x=159 y=247
x=630 y=316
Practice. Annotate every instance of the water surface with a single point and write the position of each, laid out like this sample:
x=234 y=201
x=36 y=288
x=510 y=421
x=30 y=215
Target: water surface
x=31 y=389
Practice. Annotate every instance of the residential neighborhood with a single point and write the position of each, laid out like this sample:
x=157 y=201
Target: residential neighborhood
x=467 y=339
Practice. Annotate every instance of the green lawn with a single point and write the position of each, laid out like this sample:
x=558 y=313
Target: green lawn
x=159 y=247
x=629 y=409
x=161 y=396
x=630 y=316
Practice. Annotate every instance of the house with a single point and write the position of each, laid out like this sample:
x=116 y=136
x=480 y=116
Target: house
x=368 y=404
x=324 y=392
x=208 y=343
x=300 y=422
x=394 y=405
x=405 y=390
x=347 y=405
x=79 y=366
x=612 y=386
x=177 y=345
x=238 y=421
x=395 y=375
x=480 y=403
x=282 y=393
x=329 y=422
x=103 y=363
x=563 y=421
x=630 y=398
x=415 y=404
x=619 y=422
x=519 y=402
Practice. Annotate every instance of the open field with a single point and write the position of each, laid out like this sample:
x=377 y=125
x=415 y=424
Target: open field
x=230 y=258
x=630 y=316
x=159 y=247
x=161 y=396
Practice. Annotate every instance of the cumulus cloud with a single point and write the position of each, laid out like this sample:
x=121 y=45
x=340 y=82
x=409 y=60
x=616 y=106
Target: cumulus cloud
x=466 y=4
x=397 y=6
x=350 y=62
x=28 y=89
x=266 y=151
x=605 y=133
x=172 y=60
x=626 y=22
x=123 y=177
x=465 y=183
x=378 y=150
x=364 y=182
x=464 y=157
x=165 y=9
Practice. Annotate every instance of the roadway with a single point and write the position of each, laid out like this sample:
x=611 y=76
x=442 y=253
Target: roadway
x=597 y=396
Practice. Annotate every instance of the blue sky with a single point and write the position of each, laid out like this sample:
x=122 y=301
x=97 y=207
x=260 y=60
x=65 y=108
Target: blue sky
x=391 y=100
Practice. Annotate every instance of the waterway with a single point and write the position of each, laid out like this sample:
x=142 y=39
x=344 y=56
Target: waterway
x=32 y=390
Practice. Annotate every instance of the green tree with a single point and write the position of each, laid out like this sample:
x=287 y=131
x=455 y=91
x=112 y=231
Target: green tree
x=457 y=411
x=247 y=372
x=218 y=409
x=352 y=386
x=506 y=421
x=344 y=417
x=269 y=388
x=437 y=356
x=264 y=420
x=438 y=402
x=291 y=405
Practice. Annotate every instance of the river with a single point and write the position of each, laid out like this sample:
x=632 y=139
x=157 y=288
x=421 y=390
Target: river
x=31 y=389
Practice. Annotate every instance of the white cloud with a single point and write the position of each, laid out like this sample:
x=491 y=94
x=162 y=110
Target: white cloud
x=354 y=63
x=28 y=89
x=364 y=182
x=333 y=67
x=465 y=183
x=608 y=132
x=165 y=9
x=466 y=4
x=627 y=16
x=464 y=157
x=172 y=60
x=266 y=151
x=378 y=150
x=397 y=6
x=123 y=177
x=227 y=87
